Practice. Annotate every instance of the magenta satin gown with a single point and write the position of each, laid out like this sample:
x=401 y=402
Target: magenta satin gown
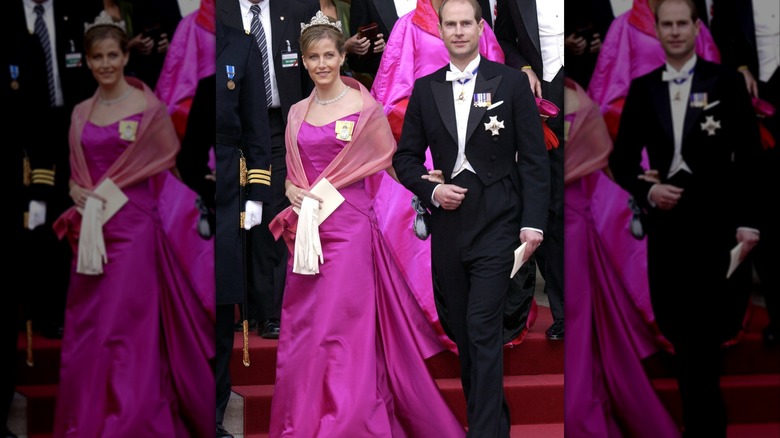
x=351 y=353
x=135 y=349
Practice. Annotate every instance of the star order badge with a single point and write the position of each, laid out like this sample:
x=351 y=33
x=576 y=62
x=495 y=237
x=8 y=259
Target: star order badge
x=494 y=125
x=710 y=125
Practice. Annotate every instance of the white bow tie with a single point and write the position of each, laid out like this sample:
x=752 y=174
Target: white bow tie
x=677 y=77
x=459 y=76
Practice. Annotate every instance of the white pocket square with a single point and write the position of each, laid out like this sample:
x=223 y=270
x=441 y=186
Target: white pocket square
x=495 y=105
x=711 y=105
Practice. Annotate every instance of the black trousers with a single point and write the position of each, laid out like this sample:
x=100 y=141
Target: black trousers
x=226 y=314
x=549 y=256
x=472 y=256
x=268 y=257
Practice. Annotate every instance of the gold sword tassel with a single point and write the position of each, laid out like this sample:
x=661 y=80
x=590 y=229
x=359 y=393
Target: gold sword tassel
x=245 y=325
x=29 y=343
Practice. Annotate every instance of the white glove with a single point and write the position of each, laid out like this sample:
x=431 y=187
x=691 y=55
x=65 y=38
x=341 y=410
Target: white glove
x=308 y=250
x=253 y=214
x=36 y=215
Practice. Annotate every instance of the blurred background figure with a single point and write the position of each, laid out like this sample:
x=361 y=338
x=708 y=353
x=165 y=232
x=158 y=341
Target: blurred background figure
x=137 y=350
x=748 y=34
x=613 y=334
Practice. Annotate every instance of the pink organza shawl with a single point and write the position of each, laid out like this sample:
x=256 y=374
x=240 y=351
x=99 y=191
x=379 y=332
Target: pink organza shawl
x=589 y=133
x=153 y=152
x=370 y=151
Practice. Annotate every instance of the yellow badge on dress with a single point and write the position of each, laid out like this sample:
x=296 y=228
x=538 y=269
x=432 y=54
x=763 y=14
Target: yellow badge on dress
x=127 y=129
x=344 y=129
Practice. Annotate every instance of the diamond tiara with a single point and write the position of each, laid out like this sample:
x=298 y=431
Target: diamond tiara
x=321 y=20
x=105 y=20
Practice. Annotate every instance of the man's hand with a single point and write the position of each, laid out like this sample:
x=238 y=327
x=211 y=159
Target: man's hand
x=665 y=196
x=449 y=196
x=575 y=44
x=750 y=82
x=253 y=214
x=533 y=239
x=536 y=85
x=357 y=45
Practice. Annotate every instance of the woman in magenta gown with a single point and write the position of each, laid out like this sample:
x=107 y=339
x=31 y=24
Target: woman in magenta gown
x=351 y=356
x=138 y=340
x=608 y=393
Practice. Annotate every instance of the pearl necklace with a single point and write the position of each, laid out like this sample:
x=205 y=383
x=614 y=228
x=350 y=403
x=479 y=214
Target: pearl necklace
x=117 y=100
x=330 y=101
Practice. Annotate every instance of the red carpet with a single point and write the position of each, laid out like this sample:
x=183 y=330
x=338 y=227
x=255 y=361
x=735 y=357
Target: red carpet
x=534 y=384
x=751 y=384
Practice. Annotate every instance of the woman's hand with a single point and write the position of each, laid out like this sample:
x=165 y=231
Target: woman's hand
x=379 y=44
x=162 y=44
x=356 y=45
x=296 y=194
x=79 y=195
x=141 y=44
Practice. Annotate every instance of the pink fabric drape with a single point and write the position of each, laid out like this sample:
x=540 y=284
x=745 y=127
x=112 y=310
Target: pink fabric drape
x=611 y=395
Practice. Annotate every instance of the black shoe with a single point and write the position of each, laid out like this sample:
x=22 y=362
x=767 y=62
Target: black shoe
x=770 y=336
x=269 y=330
x=239 y=326
x=222 y=433
x=555 y=332
x=8 y=434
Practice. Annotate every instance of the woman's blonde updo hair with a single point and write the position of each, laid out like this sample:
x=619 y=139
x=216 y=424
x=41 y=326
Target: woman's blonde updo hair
x=315 y=33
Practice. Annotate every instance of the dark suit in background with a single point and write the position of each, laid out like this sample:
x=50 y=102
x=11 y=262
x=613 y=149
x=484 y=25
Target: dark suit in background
x=734 y=30
x=688 y=245
x=517 y=30
x=361 y=13
x=472 y=246
x=241 y=131
x=266 y=277
x=50 y=126
x=23 y=96
x=586 y=17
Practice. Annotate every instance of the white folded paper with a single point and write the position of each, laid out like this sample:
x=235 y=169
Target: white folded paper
x=114 y=197
x=736 y=260
x=331 y=198
x=519 y=255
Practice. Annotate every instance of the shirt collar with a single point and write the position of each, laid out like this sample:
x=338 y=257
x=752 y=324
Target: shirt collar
x=471 y=67
x=246 y=4
x=688 y=66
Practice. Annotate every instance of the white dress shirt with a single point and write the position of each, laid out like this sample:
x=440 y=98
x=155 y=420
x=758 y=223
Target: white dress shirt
x=679 y=97
x=766 y=17
x=463 y=95
x=265 y=20
x=550 y=17
x=402 y=7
